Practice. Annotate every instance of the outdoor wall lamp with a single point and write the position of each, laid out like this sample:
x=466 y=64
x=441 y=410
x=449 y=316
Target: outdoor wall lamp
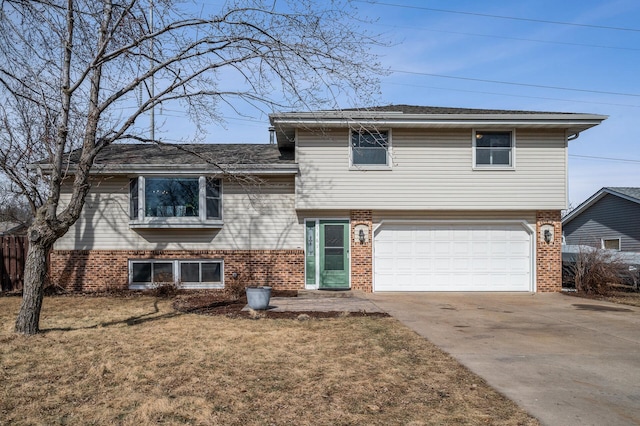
x=546 y=233
x=361 y=234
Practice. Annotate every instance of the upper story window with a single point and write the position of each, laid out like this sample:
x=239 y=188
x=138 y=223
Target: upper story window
x=493 y=149
x=175 y=201
x=370 y=147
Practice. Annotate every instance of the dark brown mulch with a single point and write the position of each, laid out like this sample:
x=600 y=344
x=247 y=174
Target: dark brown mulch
x=219 y=304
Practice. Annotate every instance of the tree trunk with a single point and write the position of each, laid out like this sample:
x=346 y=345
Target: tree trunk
x=35 y=272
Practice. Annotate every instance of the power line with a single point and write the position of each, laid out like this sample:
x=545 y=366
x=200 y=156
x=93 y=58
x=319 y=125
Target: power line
x=513 y=18
x=513 y=96
x=564 y=43
x=624 y=160
x=539 y=86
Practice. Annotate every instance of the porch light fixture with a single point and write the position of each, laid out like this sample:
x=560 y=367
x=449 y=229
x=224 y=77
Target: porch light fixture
x=547 y=236
x=361 y=236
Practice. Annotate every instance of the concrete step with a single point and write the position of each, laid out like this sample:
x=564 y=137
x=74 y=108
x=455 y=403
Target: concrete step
x=320 y=294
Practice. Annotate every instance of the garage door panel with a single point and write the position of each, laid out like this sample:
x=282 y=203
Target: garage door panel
x=465 y=257
x=404 y=248
x=460 y=248
x=479 y=248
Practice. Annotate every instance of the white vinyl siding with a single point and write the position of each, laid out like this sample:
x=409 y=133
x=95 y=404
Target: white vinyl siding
x=255 y=218
x=432 y=170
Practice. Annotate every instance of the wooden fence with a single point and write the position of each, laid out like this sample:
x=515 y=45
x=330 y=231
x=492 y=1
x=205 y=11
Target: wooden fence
x=13 y=252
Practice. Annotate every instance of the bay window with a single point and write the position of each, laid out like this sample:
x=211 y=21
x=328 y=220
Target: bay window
x=164 y=201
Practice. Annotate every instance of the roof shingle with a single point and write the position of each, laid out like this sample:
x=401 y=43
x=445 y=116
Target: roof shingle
x=196 y=154
x=629 y=191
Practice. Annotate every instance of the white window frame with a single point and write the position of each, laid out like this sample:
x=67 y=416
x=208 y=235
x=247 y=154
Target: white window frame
x=177 y=272
x=602 y=241
x=199 y=221
x=389 y=150
x=510 y=166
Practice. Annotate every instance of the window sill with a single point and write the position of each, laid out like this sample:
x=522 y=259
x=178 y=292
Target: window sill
x=494 y=168
x=175 y=223
x=365 y=167
x=191 y=286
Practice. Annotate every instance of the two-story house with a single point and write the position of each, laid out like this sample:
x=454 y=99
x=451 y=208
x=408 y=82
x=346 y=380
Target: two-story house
x=396 y=198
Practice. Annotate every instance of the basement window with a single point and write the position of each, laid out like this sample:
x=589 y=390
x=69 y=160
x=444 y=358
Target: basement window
x=184 y=273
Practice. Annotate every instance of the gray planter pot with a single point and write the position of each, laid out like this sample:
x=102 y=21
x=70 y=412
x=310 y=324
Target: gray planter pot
x=258 y=297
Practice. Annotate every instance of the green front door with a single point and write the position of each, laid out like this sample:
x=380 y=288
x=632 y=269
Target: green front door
x=334 y=254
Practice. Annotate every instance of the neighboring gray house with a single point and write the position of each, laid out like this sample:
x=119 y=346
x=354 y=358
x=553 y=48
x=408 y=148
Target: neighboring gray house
x=610 y=219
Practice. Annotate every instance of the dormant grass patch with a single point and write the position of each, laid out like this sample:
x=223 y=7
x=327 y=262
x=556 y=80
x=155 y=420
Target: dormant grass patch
x=131 y=361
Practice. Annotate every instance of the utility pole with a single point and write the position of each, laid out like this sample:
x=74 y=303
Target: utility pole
x=152 y=124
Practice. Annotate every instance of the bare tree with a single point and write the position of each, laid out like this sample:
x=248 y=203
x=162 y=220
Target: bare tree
x=72 y=72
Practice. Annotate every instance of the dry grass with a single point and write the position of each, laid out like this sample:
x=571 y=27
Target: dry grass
x=620 y=297
x=136 y=361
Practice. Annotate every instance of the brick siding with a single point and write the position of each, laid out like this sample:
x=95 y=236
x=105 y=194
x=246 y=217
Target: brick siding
x=103 y=270
x=549 y=256
x=362 y=253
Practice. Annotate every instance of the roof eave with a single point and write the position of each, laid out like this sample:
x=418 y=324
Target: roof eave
x=186 y=169
x=592 y=200
x=572 y=122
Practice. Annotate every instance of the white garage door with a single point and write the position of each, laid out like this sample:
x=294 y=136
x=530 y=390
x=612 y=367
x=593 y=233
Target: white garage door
x=445 y=257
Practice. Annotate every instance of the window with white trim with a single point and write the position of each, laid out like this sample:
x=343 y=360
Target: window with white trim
x=493 y=148
x=370 y=147
x=611 y=243
x=185 y=273
x=157 y=201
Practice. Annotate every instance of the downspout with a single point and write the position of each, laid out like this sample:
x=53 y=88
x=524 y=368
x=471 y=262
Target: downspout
x=573 y=137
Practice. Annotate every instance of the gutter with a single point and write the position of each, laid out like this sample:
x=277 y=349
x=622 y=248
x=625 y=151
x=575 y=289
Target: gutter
x=181 y=169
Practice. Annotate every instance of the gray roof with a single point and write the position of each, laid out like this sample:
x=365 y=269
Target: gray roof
x=161 y=158
x=416 y=109
x=423 y=117
x=629 y=191
x=195 y=154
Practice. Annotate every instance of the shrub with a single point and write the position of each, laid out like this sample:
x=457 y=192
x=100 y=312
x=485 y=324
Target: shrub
x=163 y=286
x=235 y=287
x=595 y=271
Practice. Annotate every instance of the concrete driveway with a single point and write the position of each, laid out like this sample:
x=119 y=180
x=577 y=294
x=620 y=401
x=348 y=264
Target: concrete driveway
x=566 y=360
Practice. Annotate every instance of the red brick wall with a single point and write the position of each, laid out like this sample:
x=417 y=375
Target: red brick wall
x=549 y=256
x=101 y=270
x=362 y=254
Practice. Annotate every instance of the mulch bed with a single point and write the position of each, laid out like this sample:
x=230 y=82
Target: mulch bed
x=219 y=304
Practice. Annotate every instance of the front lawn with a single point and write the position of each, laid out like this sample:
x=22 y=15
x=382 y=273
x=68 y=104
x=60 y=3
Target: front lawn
x=130 y=361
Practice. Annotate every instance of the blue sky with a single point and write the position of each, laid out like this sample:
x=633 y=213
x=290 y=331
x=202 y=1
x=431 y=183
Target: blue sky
x=461 y=53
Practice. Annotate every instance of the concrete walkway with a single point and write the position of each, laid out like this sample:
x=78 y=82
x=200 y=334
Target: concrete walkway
x=566 y=360
x=324 y=301
x=329 y=304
